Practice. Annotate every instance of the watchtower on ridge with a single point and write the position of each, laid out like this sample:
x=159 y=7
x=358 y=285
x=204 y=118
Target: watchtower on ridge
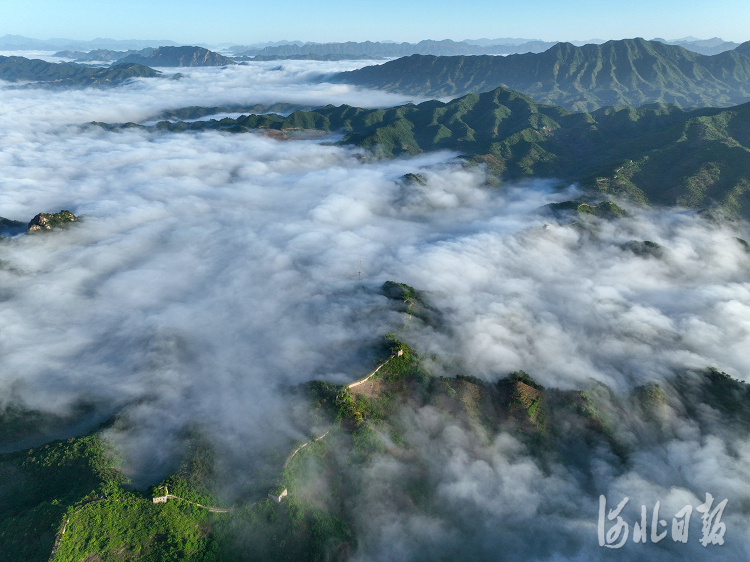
x=164 y=498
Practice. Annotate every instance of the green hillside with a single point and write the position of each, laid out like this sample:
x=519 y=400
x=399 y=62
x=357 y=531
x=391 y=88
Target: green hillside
x=17 y=69
x=627 y=72
x=659 y=154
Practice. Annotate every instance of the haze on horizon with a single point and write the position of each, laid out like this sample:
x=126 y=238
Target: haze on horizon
x=232 y=21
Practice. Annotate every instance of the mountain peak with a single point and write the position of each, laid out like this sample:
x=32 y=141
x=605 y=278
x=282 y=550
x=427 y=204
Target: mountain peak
x=180 y=56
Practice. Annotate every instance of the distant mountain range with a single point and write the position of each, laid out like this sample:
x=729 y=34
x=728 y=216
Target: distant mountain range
x=69 y=75
x=703 y=46
x=20 y=43
x=712 y=46
x=376 y=49
x=501 y=41
x=627 y=72
x=500 y=46
x=660 y=154
x=103 y=55
x=343 y=56
x=72 y=75
x=178 y=56
x=164 y=56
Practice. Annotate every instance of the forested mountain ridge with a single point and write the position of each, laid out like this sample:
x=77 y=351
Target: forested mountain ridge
x=661 y=154
x=16 y=69
x=627 y=72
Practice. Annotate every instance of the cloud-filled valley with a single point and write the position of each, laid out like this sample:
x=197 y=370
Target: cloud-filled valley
x=297 y=82
x=209 y=271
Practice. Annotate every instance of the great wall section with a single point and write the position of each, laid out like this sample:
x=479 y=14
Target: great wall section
x=281 y=493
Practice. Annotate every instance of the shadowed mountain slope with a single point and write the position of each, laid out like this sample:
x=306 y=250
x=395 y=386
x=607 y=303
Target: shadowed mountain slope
x=627 y=72
x=179 y=56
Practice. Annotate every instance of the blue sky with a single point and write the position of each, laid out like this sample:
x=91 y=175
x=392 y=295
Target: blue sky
x=248 y=21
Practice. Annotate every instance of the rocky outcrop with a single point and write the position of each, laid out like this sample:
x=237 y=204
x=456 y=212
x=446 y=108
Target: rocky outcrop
x=49 y=221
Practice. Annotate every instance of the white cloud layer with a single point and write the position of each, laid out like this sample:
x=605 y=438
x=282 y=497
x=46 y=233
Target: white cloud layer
x=210 y=268
x=284 y=81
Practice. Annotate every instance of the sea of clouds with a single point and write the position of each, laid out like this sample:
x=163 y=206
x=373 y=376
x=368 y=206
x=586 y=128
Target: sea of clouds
x=209 y=270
